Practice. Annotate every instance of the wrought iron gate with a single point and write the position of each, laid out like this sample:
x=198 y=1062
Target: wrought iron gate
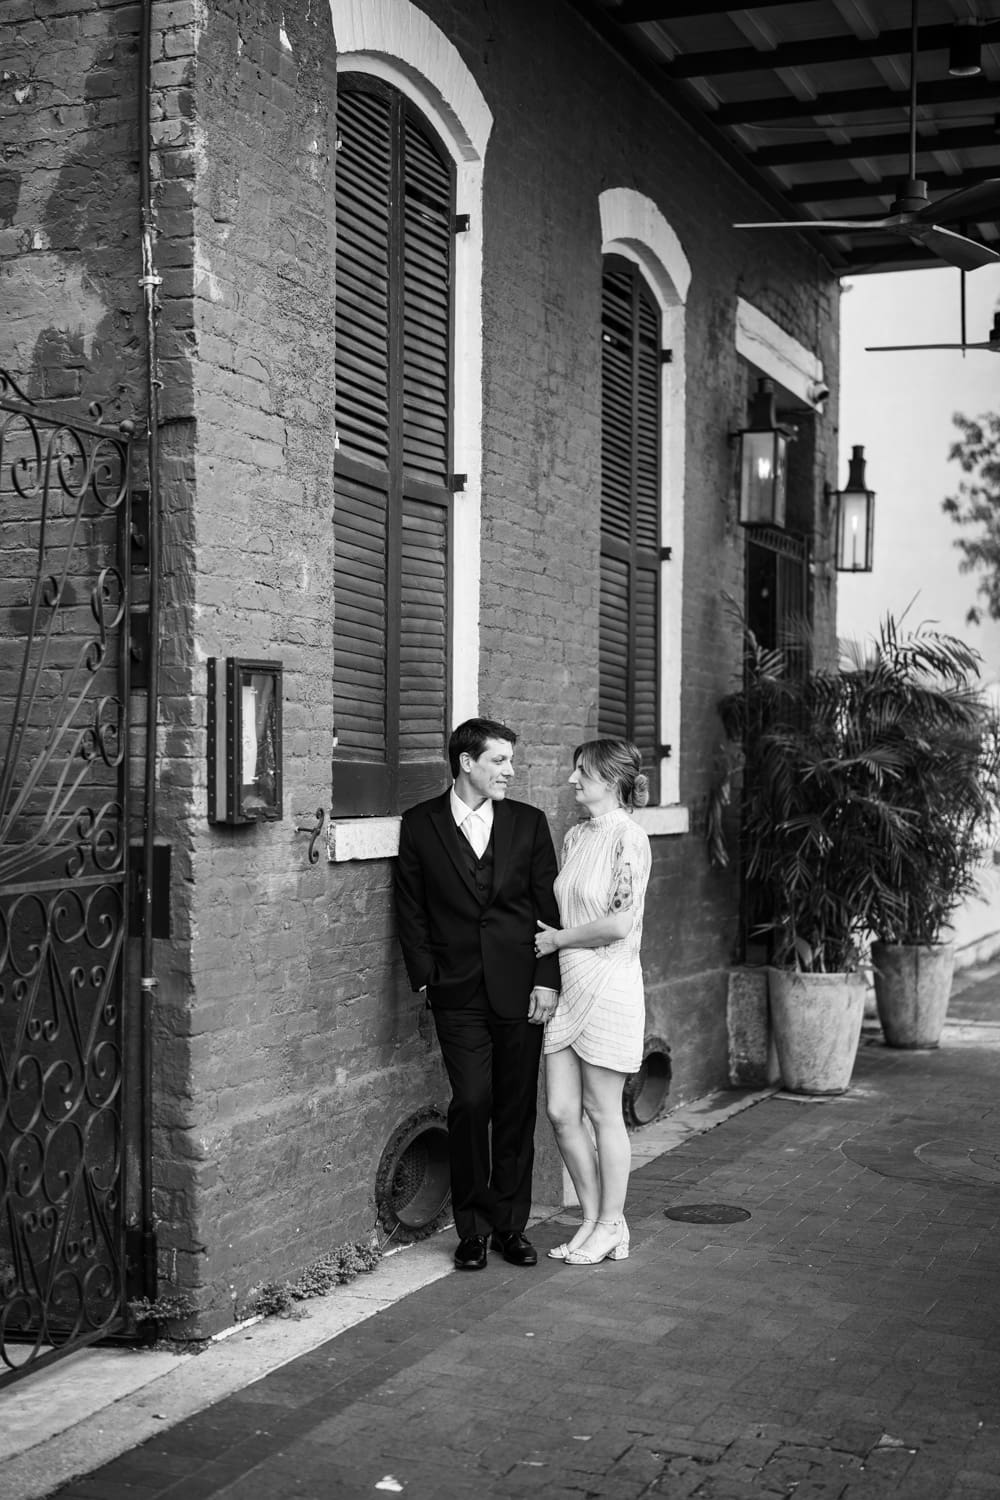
x=64 y=786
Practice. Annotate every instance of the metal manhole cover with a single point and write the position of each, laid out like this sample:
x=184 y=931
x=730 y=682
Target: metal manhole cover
x=706 y=1213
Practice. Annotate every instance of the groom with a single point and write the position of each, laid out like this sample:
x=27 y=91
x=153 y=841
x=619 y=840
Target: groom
x=474 y=875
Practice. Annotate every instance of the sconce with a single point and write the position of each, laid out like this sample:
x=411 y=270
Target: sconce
x=965 y=52
x=855 y=519
x=244 y=740
x=763 y=454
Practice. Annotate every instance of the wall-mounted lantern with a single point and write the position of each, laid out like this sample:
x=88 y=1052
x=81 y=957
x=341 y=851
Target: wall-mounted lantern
x=763 y=462
x=855 y=519
x=244 y=740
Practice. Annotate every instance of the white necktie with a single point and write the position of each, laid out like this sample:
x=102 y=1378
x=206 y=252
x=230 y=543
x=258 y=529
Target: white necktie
x=475 y=831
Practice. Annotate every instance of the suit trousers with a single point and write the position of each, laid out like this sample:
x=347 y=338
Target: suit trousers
x=492 y=1065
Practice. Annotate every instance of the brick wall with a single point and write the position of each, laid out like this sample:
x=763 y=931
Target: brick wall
x=571 y=122
x=288 y=1045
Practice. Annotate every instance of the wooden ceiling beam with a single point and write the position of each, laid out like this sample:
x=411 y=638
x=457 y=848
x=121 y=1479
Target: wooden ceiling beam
x=635 y=12
x=815 y=53
x=897 y=143
x=853 y=101
x=858 y=187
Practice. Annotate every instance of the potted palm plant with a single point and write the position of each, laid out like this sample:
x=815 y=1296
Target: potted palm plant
x=918 y=697
x=867 y=794
x=806 y=827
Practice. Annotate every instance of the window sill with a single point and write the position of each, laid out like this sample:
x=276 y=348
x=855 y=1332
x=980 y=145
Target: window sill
x=362 y=838
x=378 y=838
x=664 y=820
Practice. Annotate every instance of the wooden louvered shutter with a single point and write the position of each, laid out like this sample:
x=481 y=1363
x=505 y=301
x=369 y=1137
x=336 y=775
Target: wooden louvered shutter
x=428 y=240
x=395 y=218
x=628 y=701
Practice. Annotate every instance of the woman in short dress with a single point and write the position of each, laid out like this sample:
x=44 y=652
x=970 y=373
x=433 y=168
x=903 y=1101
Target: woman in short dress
x=595 y=1038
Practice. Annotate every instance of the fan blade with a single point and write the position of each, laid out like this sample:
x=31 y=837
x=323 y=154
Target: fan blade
x=898 y=348
x=954 y=249
x=968 y=204
x=823 y=224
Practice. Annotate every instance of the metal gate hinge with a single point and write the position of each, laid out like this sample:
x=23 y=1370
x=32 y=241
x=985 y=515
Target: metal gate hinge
x=139 y=648
x=139 y=537
x=159 y=903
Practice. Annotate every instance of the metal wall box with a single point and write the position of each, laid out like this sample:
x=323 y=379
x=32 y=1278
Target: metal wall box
x=244 y=740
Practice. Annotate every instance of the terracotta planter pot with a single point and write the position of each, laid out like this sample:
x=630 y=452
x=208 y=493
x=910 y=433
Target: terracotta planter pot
x=817 y=1025
x=912 y=991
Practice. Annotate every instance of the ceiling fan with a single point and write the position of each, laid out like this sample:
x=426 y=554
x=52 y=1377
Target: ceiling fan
x=911 y=216
x=992 y=343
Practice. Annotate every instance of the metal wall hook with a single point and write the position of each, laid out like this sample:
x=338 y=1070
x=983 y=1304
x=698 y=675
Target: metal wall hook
x=315 y=832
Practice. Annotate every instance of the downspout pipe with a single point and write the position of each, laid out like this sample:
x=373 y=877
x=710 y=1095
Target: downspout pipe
x=149 y=281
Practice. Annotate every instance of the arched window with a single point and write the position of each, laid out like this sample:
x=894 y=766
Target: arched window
x=394 y=482
x=631 y=462
x=644 y=456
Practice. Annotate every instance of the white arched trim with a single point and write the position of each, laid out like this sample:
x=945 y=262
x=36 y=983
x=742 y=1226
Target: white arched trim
x=633 y=226
x=373 y=35
x=629 y=218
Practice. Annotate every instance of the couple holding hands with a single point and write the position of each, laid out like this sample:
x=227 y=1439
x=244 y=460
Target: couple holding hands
x=515 y=956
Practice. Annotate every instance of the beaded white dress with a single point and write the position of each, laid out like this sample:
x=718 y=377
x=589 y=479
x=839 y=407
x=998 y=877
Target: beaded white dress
x=601 y=1012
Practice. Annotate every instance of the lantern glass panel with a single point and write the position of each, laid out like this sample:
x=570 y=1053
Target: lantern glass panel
x=854 y=531
x=763 y=480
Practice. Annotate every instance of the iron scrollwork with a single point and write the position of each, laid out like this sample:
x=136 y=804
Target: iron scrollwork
x=64 y=686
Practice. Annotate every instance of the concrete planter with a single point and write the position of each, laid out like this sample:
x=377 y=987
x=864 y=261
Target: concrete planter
x=817 y=1025
x=912 y=991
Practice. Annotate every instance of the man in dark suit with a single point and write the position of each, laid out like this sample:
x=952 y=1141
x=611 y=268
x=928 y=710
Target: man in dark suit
x=473 y=877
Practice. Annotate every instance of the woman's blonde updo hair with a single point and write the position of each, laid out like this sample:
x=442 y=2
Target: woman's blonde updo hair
x=618 y=763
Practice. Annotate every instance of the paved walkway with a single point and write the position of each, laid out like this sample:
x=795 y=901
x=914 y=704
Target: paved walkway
x=840 y=1342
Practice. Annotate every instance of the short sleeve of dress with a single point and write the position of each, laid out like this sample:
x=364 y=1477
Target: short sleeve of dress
x=629 y=871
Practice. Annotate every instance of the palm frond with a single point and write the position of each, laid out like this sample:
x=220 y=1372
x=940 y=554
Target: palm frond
x=869 y=793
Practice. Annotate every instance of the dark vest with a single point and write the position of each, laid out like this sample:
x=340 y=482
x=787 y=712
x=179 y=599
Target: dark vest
x=481 y=870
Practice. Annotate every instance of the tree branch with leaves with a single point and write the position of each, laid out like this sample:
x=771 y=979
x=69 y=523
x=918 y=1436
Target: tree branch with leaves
x=976 y=507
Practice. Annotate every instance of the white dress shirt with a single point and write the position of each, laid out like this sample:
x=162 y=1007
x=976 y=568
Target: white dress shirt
x=475 y=823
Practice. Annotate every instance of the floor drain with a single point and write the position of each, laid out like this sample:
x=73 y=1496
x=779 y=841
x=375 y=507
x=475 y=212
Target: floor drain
x=706 y=1213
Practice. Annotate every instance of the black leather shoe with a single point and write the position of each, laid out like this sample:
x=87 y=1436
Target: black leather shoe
x=514 y=1247
x=471 y=1253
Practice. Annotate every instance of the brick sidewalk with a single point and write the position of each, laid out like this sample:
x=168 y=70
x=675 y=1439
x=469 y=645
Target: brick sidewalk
x=842 y=1341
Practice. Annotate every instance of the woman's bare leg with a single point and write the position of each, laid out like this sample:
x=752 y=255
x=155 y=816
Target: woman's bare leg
x=564 y=1101
x=602 y=1103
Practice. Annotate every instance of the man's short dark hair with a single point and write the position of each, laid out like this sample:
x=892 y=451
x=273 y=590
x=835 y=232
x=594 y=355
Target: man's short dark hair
x=471 y=738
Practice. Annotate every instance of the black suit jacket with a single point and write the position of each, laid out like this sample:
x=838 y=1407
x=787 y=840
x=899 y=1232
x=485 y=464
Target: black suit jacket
x=451 y=942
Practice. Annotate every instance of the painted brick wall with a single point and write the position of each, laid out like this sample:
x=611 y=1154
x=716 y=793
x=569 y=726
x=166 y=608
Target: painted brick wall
x=288 y=1045
x=72 y=310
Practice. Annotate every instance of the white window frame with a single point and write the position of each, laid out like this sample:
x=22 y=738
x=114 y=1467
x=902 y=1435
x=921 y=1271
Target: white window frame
x=394 y=41
x=632 y=226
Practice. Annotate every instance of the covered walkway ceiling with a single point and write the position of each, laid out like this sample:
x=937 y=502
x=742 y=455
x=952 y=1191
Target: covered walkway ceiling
x=809 y=100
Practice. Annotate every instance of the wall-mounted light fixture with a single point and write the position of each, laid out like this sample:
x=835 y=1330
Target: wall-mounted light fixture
x=965 y=51
x=244 y=740
x=855 y=519
x=763 y=462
